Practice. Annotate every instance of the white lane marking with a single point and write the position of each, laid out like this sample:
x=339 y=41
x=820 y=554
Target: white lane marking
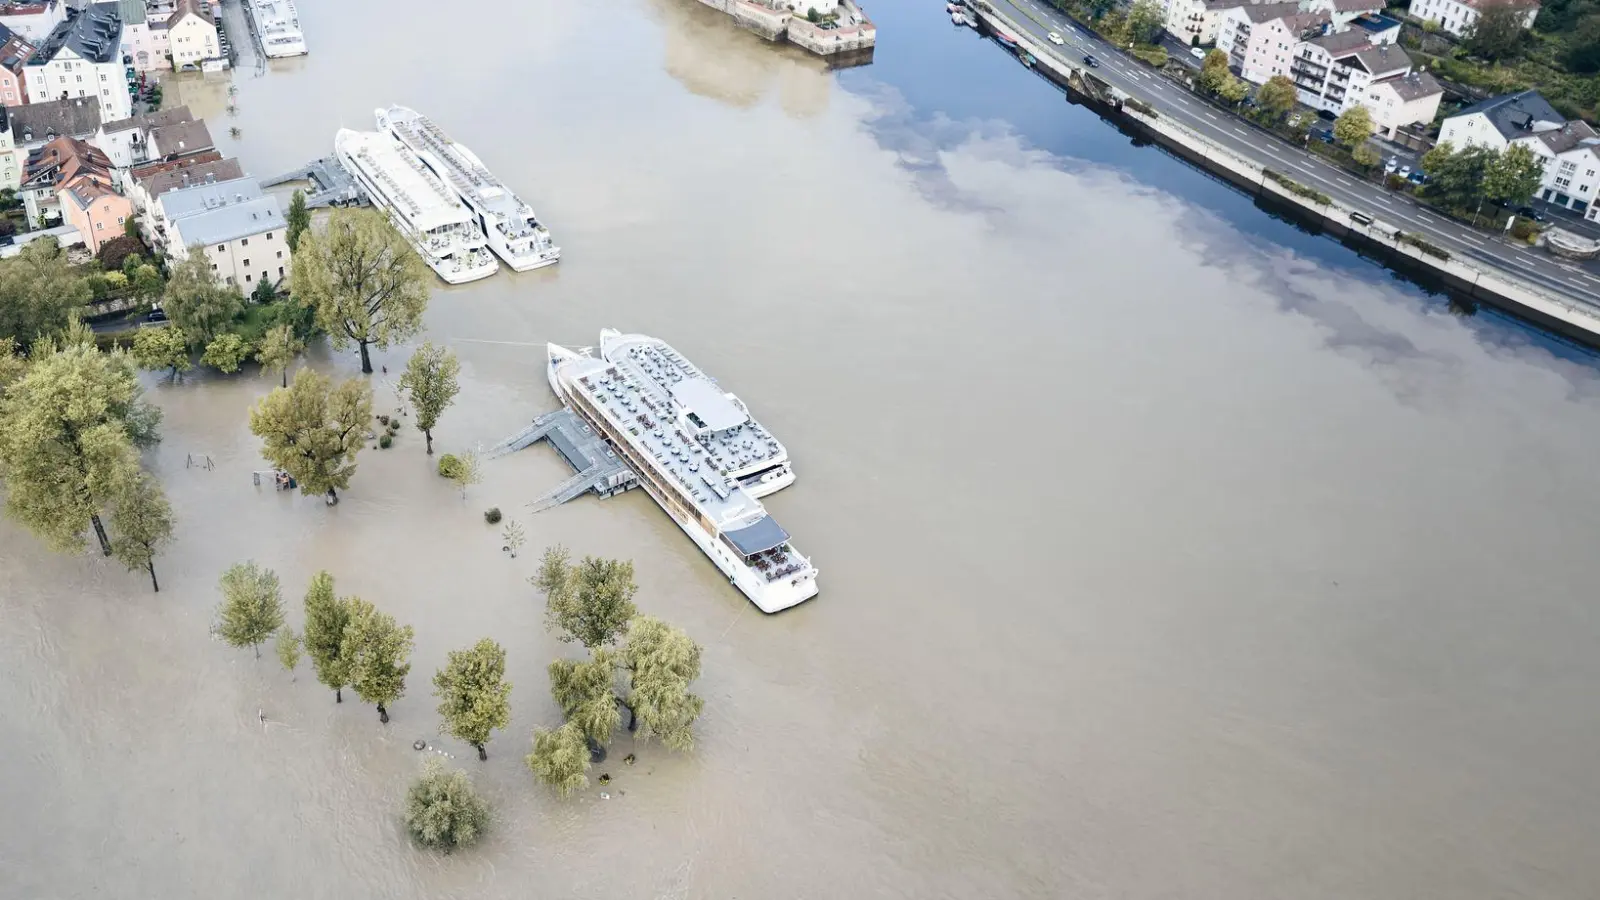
x=1242 y=131
x=1383 y=201
x=1213 y=117
x=1270 y=153
x=1577 y=282
x=1466 y=237
x=1424 y=218
x=1343 y=182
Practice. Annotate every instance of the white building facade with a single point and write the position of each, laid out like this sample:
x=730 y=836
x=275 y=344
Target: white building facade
x=82 y=58
x=1403 y=100
x=192 y=35
x=1260 y=40
x=241 y=230
x=1456 y=16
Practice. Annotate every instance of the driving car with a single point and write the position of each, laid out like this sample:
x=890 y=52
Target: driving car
x=1054 y=38
x=1090 y=61
x=1197 y=53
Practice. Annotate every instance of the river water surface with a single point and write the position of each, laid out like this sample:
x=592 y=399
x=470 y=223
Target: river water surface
x=1166 y=551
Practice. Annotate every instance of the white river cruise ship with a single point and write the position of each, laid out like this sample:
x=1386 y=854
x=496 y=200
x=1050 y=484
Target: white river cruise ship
x=679 y=435
x=444 y=232
x=514 y=232
x=278 y=24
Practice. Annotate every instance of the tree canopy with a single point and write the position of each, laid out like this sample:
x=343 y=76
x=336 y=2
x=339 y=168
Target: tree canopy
x=430 y=381
x=279 y=347
x=38 y=293
x=141 y=525
x=1497 y=32
x=313 y=430
x=586 y=692
x=1353 y=127
x=1145 y=20
x=252 y=607
x=377 y=650
x=194 y=301
x=1513 y=176
x=326 y=618
x=443 y=812
x=298 y=219
x=366 y=283
x=1277 y=96
x=288 y=647
x=662 y=660
x=157 y=347
x=589 y=603
x=474 y=697
x=226 y=353
x=560 y=758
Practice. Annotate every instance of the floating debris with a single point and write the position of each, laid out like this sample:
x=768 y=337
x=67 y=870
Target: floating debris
x=629 y=759
x=604 y=796
x=606 y=778
x=419 y=744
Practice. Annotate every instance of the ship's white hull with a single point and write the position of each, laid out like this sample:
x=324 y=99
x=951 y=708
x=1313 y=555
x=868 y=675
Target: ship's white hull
x=285 y=48
x=768 y=596
x=518 y=262
x=451 y=268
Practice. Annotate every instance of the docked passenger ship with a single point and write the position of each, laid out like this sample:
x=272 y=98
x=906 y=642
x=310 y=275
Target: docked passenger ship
x=515 y=233
x=442 y=230
x=278 y=24
x=682 y=435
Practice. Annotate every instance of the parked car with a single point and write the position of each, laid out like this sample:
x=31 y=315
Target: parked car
x=1055 y=38
x=1090 y=61
x=1390 y=165
x=1326 y=115
x=156 y=315
x=1197 y=52
x=1405 y=172
x=1528 y=212
x=1324 y=135
x=1417 y=177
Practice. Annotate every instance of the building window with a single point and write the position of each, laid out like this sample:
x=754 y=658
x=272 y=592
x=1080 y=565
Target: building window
x=269 y=234
x=247 y=262
x=1563 y=182
x=280 y=271
x=213 y=267
x=245 y=242
x=230 y=279
x=247 y=279
x=99 y=226
x=280 y=254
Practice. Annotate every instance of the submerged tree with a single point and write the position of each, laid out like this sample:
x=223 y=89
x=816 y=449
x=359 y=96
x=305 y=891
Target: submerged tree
x=226 y=353
x=464 y=473
x=279 y=347
x=586 y=692
x=514 y=538
x=560 y=758
x=194 y=301
x=430 y=381
x=377 y=650
x=141 y=525
x=443 y=811
x=313 y=430
x=326 y=618
x=589 y=603
x=365 y=281
x=474 y=697
x=251 y=609
x=156 y=348
x=288 y=647
x=662 y=660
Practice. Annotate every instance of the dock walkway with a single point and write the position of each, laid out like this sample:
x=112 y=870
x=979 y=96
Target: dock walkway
x=331 y=184
x=596 y=466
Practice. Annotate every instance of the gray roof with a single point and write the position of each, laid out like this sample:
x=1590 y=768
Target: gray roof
x=1511 y=114
x=75 y=116
x=708 y=403
x=152 y=120
x=1567 y=136
x=132 y=11
x=204 y=173
x=228 y=223
x=763 y=534
x=199 y=198
x=182 y=138
x=93 y=32
x=1413 y=86
x=1342 y=42
x=1356 y=5
x=1266 y=12
x=1384 y=59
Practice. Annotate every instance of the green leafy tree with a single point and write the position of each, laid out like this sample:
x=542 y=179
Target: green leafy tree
x=589 y=603
x=326 y=618
x=279 y=347
x=365 y=282
x=443 y=812
x=474 y=696
x=1513 y=176
x=113 y=254
x=1583 y=47
x=288 y=647
x=1233 y=90
x=430 y=382
x=161 y=347
x=1457 y=179
x=1365 y=156
x=1277 y=97
x=252 y=609
x=1353 y=127
x=298 y=218
x=586 y=692
x=38 y=293
x=662 y=661
x=1436 y=159
x=12 y=365
x=147 y=283
x=464 y=473
x=313 y=430
x=1098 y=8
x=1497 y=32
x=194 y=301
x=225 y=353
x=141 y=525
x=1145 y=20
x=69 y=426
x=377 y=650
x=264 y=293
x=560 y=758
x=1214 y=71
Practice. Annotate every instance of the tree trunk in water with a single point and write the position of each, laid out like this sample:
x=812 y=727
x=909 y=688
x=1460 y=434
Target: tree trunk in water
x=383 y=714
x=633 y=720
x=333 y=496
x=257 y=649
x=100 y=532
x=428 y=433
x=153 y=583
x=366 y=360
x=338 y=695
x=285 y=376
x=483 y=753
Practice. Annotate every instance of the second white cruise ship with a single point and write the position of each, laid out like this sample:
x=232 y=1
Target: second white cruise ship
x=678 y=440
x=514 y=232
x=278 y=24
x=426 y=212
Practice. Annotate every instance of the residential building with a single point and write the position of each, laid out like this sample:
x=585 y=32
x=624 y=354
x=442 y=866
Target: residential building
x=1260 y=40
x=144 y=191
x=1457 y=16
x=1498 y=121
x=39 y=123
x=95 y=209
x=192 y=35
x=82 y=57
x=1333 y=71
x=1571 y=156
x=34 y=21
x=62 y=163
x=1195 y=21
x=144 y=35
x=1380 y=29
x=14 y=53
x=239 y=228
x=1343 y=12
x=11 y=159
x=1401 y=100
x=168 y=134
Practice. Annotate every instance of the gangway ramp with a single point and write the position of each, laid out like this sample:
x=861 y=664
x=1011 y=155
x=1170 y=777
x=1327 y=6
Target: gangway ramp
x=595 y=465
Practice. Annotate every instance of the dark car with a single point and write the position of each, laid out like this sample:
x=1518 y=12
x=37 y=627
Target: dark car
x=1417 y=177
x=1528 y=212
x=1327 y=115
x=156 y=315
x=1324 y=135
x=1090 y=61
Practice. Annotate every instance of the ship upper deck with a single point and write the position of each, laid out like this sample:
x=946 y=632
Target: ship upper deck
x=412 y=190
x=734 y=440
x=466 y=174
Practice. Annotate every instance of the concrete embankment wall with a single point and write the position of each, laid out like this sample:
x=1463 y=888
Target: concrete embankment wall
x=775 y=26
x=1489 y=285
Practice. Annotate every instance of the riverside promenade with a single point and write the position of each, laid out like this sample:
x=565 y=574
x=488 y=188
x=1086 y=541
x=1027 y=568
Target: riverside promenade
x=1552 y=293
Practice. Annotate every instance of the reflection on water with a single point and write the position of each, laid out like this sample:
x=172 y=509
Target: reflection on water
x=714 y=58
x=1157 y=558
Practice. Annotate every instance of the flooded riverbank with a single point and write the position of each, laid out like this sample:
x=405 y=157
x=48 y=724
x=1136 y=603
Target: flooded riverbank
x=1159 y=555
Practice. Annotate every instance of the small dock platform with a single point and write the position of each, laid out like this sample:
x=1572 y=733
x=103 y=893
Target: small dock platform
x=596 y=466
x=331 y=184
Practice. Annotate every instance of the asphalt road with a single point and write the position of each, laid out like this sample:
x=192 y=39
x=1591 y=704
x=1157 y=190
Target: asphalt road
x=1574 y=281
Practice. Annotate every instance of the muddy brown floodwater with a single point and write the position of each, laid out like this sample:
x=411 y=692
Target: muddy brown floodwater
x=1158 y=559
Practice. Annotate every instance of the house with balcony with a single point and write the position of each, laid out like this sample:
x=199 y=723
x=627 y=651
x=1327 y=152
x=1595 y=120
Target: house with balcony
x=82 y=57
x=239 y=228
x=70 y=179
x=1195 y=22
x=1457 y=16
x=1497 y=121
x=1261 y=39
x=1332 y=72
x=1571 y=156
x=1343 y=12
x=167 y=135
x=1400 y=101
